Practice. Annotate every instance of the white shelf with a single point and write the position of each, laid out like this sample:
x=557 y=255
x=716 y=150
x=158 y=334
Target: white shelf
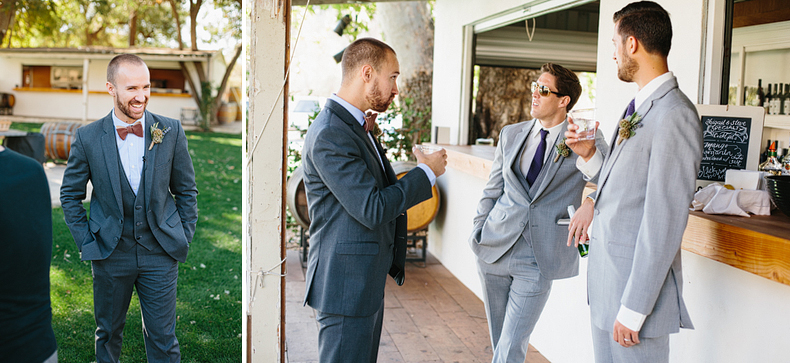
x=777 y=121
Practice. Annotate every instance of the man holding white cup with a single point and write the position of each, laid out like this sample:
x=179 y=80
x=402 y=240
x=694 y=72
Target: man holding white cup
x=520 y=246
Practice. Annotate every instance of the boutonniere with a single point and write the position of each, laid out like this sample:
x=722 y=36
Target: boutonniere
x=628 y=127
x=562 y=150
x=376 y=130
x=157 y=135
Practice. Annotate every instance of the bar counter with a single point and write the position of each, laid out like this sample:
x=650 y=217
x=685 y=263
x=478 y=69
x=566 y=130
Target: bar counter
x=756 y=244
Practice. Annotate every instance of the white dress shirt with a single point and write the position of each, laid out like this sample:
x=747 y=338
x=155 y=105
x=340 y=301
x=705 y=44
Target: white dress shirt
x=533 y=140
x=131 y=151
x=629 y=318
x=360 y=117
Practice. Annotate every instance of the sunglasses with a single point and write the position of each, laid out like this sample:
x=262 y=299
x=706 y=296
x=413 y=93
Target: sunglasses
x=544 y=91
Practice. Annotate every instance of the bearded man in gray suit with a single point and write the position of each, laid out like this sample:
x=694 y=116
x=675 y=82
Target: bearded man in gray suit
x=519 y=246
x=357 y=206
x=143 y=212
x=645 y=186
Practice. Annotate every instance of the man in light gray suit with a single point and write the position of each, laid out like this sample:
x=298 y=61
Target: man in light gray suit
x=143 y=212
x=645 y=186
x=519 y=246
x=357 y=206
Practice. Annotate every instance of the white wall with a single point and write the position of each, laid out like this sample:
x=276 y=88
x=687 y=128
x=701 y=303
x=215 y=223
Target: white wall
x=69 y=105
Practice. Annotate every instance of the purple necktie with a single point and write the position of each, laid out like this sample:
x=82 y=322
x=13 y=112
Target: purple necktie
x=630 y=110
x=537 y=161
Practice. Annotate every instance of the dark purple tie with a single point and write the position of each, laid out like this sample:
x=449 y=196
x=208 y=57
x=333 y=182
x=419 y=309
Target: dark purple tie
x=537 y=161
x=630 y=110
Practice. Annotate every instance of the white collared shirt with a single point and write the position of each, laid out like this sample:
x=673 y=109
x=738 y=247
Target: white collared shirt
x=629 y=318
x=360 y=117
x=131 y=151
x=533 y=140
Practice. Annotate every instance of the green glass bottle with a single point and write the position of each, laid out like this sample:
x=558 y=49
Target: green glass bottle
x=584 y=249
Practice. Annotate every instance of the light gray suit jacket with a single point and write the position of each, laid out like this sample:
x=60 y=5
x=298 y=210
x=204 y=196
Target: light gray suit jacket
x=357 y=215
x=509 y=208
x=170 y=189
x=641 y=209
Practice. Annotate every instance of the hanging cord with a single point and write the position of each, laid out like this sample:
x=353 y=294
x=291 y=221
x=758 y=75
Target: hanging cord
x=259 y=282
x=285 y=80
x=534 y=22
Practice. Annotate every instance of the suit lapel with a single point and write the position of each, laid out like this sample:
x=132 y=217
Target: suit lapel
x=344 y=115
x=110 y=150
x=551 y=170
x=149 y=156
x=519 y=142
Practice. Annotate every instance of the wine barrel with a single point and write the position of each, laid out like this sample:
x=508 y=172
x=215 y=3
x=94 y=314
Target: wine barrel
x=296 y=198
x=420 y=215
x=227 y=112
x=58 y=138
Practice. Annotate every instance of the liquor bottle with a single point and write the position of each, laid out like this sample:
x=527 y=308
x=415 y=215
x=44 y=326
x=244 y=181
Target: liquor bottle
x=767 y=103
x=780 y=100
x=764 y=154
x=776 y=100
x=786 y=105
x=760 y=94
x=772 y=165
x=584 y=249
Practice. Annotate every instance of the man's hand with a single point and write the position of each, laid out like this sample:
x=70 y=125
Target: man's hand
x=584 y=148
x=437 y=161
x=580 y=223
x=624 y=336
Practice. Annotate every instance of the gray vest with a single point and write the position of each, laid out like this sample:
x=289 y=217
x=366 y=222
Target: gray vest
x=135 y=225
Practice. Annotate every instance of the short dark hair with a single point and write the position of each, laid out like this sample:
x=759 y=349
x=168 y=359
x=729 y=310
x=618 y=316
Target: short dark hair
x=117 y=61
x=649 y=23
x=364 y=51
x=567 y=82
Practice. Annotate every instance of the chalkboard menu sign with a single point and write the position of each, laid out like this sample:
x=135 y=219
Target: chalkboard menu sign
x=731 y=137
x=725 y=143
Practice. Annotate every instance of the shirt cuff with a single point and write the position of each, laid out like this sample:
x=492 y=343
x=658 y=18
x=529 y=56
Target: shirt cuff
x=630 y=319
x=591 y=167
x=428 y=172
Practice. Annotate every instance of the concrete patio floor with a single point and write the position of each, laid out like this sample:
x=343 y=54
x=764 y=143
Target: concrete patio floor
x=433 y=317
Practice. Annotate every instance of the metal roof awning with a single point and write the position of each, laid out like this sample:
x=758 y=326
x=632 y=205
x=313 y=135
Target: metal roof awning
x=94 y=52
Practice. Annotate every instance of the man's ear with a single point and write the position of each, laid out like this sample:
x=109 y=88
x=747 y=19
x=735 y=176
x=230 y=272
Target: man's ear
x=110 y=89
x=366 y=72
x=632 y=44
x=564 y=101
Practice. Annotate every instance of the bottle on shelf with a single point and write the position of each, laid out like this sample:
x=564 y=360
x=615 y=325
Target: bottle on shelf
x=764 y=154
x=775 y=101
x=786 y=105
x=760 y=94
x=767 y=102
x=786 y=162
x=780 y=100
x=772 y=164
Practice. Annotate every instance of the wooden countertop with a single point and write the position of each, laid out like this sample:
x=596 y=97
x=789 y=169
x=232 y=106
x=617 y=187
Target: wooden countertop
x=757 y=244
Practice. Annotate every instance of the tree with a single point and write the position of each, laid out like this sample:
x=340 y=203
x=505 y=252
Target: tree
x=503 y=98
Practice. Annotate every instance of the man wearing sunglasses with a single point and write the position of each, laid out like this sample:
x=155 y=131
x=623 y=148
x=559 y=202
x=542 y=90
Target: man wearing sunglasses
x=635 y=284
x=520 y=248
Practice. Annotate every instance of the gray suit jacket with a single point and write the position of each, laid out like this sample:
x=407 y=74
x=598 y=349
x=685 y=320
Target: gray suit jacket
x=168 y=173
x=357 y=215
x=644 y=190
x=509 y=209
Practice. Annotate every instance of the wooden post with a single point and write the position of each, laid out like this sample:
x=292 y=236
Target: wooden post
x=264 y=220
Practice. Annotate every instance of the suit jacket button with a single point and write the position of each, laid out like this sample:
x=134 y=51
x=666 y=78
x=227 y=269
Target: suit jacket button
x=116 y=239
x=139 y=223
x=120 y=221
x=597 y=212
x=138 y=207
x=138 y=238
x=522 y=224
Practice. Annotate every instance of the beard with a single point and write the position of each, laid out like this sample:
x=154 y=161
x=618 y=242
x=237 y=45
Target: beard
x=126 y=109
x=627 y=70
x=376 y=101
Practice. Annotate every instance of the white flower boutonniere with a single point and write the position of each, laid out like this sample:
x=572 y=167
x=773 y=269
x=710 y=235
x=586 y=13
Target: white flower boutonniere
x=157 y=135
x=562 y=150
x=628 y=127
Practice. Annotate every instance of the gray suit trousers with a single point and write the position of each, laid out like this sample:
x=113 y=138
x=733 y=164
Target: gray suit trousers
x=514 y=293
x=154 y=274
x=649 y=350
x=344 y=338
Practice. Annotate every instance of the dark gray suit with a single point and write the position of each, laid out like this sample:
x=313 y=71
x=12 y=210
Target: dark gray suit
x=641 y=209
x=518 y=244
x=357 y=213
x=132 y=240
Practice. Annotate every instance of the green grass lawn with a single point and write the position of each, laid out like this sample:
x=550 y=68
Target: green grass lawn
x=209 y=283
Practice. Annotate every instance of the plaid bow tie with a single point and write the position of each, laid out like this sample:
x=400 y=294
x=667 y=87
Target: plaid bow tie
x=136 y=129
x=370 y=121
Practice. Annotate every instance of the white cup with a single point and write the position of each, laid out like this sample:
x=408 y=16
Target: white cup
x=585 y=119
x=429 y=149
